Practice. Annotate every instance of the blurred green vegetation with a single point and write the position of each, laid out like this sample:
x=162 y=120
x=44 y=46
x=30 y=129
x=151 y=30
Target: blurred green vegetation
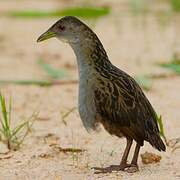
x=137 y=6
x=52 y=72
x=84 y=12
x=28 y=82
x=87 y=11
x=173 y=65
x=144 y=81
x=143 y=6
x=175 y=4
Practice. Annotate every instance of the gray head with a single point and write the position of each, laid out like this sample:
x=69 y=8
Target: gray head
x=80 y=37
x=69 y=29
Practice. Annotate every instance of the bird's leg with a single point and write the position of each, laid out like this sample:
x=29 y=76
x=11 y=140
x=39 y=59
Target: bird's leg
x=133 y=166
x=123 y=163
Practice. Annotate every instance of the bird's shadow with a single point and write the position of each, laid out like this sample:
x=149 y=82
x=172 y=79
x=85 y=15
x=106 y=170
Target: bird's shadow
x=109 y=169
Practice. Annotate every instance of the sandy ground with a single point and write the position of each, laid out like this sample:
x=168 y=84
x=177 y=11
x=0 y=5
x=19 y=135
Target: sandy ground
x=134 y=44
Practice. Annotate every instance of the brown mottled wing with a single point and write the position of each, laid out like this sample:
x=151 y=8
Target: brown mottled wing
x=120 y=102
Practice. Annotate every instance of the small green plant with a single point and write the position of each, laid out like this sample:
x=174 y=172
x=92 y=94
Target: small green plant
x=12 y=137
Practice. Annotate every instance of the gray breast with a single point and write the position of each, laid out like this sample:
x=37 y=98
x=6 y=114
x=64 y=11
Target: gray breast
x=87 y=108
x=87 y=80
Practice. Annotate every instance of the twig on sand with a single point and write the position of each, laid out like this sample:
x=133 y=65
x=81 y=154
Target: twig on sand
x=67 y=150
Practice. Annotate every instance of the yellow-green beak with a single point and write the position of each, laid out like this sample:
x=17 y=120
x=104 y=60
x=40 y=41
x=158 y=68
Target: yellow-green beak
x=47 y=35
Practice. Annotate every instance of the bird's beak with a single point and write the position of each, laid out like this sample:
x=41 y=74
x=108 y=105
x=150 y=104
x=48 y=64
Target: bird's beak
x=47 y=35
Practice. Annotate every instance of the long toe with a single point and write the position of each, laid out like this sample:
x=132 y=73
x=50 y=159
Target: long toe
x=120 y=167
x=132 y=168
x=123 y=166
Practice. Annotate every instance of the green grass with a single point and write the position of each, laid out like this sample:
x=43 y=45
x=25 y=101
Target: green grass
x=161 y=127
x=84 y=12
x=144 y=81
x=12 y=137
x=66 y=114
x=52 y=72
x=39 y=82
x=28 y=82
x=173 y=65
x=175 y=4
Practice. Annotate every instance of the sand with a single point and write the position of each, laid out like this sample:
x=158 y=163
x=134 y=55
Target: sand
x=134 y=44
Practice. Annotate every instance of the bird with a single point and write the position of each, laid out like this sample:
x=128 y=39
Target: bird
x=108 y=96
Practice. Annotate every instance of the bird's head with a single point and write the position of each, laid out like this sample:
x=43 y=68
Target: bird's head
x=68 y=29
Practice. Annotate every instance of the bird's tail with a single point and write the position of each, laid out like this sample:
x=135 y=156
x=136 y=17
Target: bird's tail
x=156 y=141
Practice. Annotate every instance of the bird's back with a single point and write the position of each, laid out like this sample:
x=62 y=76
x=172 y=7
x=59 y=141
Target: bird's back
x=123 y=108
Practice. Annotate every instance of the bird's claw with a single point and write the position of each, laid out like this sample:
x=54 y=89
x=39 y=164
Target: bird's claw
x=132 y=168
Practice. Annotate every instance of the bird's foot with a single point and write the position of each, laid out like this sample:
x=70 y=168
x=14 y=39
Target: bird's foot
x=111 y=168
x=132 y=168
x=124 y=166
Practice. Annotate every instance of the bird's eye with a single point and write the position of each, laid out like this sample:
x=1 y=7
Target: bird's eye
x=62 y=28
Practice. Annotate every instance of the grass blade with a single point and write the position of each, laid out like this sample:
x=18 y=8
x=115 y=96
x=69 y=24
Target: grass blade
x=8 y=135
x=173 y=67
x=10 y=110
x=18 y=128
x=53 y=73
x=39 y=82
x=161 y=128
x=86 y=12
x=5 y=122
x=65 y=115
x=27 y=82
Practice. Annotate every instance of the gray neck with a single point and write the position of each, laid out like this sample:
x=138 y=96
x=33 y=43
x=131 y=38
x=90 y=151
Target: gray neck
x=84 y=60
x=90 y=53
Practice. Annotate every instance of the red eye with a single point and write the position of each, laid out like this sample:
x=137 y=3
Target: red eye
x=62 y=28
